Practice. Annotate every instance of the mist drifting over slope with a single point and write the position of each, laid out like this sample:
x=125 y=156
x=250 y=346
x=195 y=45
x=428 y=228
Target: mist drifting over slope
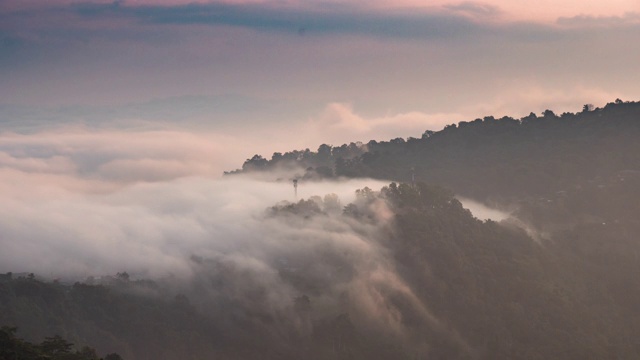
x=90 y=205
x=82 y=210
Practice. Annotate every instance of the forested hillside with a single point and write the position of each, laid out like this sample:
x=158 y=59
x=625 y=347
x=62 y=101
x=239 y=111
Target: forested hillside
x=54 y=348
x=434 y=282
x=489 y=158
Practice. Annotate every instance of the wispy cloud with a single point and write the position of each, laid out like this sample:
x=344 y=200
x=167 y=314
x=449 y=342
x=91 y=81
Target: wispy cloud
x=79 y=204
x=466 y=19
x=474 y=9
x=340 y=123
x=626 y=20
x=343 y=19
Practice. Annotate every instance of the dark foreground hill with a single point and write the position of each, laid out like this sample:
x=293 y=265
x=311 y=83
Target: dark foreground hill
x=434 y=283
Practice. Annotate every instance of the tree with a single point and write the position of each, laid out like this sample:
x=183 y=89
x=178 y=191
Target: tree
x=56 y=346
x=529 y=118
x=257 y=162
x=123 y=276
x=548 y=114
x=365 y=194
x=427 y=134
x=332 y=203
x=324 y=153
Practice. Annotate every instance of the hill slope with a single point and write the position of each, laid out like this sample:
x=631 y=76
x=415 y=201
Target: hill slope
x=422 y=278
x=489 y=158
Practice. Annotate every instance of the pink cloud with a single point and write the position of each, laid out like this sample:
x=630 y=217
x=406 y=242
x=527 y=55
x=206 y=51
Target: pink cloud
x=339 y=123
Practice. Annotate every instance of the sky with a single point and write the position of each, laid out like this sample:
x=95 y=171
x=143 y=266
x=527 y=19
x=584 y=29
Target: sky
x=224 y=80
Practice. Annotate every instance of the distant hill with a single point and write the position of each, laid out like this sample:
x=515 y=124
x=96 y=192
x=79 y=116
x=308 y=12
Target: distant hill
x=489 y=158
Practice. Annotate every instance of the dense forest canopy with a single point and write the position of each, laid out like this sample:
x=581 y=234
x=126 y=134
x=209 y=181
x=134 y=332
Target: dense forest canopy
x=401 y=272
x=54 y=348
x=489 y=158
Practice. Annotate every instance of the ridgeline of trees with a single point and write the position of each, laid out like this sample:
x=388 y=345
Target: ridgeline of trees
x=51 y=348
x=489 y=158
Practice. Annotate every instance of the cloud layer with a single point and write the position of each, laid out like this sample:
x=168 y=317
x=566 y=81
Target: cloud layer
x=77 y=206
x=91 y=203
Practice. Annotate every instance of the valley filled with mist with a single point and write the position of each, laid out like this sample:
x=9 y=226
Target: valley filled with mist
x=319 y=179
x=498 y=238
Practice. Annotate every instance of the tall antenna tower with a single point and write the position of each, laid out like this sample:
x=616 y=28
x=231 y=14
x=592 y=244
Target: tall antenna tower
x=413 y=176
x=295 y=188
